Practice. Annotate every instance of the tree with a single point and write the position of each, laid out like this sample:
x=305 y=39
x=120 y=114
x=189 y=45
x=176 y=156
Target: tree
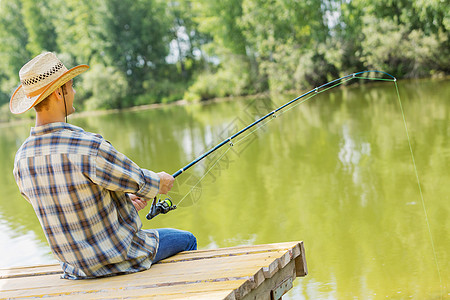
x=233 y=69
x=136 y=35
x=407 y=38
x=79 y=30
x=38 y=23
x=156 y=49
x=221 y=20
x=186 y=38
x=13 y=41
x=288 y=38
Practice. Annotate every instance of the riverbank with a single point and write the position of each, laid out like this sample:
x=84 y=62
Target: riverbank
x=28 y=117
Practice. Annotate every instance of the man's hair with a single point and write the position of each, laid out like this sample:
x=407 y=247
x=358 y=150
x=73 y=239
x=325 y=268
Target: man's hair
x=45 y=104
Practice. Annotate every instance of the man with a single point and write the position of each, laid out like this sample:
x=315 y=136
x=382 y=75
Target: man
x=85 y=193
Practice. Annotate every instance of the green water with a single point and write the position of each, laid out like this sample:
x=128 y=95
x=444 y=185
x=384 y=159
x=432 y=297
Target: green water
x=335 y=172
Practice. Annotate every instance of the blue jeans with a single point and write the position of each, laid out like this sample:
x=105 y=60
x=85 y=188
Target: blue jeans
x=172 y=241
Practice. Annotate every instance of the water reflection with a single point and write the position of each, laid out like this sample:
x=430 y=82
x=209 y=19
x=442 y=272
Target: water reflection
x=354 y=156
x=334 y=172
x=22 y=243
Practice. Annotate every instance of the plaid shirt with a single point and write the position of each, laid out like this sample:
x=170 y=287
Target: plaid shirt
x=78 y=184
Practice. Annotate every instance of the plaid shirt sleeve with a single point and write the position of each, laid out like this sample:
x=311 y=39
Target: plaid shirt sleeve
x=116 y=172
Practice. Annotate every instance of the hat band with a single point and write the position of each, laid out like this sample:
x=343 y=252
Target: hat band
x=38 y=91
x=43 y=76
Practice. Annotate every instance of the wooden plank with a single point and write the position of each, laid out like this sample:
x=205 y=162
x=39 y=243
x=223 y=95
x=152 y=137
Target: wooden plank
x=187 y=255
x=300 y=262
x=294 y=250
x=243 y=285
x=226 y=287
x=185 y=271
x=206 y=295
x=189 y=290
x=30 y=271
x=265 y=290
x=282 y=261
x=193 y=296
x=198 y=264
x=228 y=273
x=206 y=253
x=137 y=284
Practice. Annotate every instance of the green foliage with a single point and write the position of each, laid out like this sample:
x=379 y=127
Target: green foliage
x=41 y=33
x=137 y=35
x=292 y=69
x=221 y=20
x=13 y=39
x=79 y=29
x=230 y=80
x=162 y=91
x=186 y=38
x=108 y=86
x=154 y=51
x=407 y=53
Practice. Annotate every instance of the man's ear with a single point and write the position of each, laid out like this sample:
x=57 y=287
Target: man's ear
x=58 y=93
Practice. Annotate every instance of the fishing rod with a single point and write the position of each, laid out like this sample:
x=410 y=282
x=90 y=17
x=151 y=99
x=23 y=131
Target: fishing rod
x=166 y=205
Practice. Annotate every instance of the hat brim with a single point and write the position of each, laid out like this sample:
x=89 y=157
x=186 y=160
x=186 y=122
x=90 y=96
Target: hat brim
x=21 y=103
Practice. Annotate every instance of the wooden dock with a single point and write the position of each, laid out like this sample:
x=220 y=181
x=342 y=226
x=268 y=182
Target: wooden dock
x=246 y=272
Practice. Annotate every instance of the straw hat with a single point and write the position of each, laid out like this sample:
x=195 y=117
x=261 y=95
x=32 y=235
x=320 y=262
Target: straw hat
x=40 y=77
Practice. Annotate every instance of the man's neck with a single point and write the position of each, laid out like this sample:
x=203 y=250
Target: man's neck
x=45 y=118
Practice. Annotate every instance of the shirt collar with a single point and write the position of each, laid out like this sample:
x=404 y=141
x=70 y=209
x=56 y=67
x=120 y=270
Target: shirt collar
x=53 y=127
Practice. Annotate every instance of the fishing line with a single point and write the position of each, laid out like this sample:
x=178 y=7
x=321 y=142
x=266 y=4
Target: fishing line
x=410 y=148
x=420 y=187
x=292 y=107
x=272 y=113
x=209 y=169
x=318 y=90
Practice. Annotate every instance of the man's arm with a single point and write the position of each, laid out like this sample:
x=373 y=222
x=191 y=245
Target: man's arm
x=116 y=172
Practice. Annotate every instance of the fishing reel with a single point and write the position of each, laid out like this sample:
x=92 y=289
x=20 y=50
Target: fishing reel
x=160 y=207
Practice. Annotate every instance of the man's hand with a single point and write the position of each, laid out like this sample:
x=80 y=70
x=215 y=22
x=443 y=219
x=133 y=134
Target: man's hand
x=165 y=182
x=139 y=203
